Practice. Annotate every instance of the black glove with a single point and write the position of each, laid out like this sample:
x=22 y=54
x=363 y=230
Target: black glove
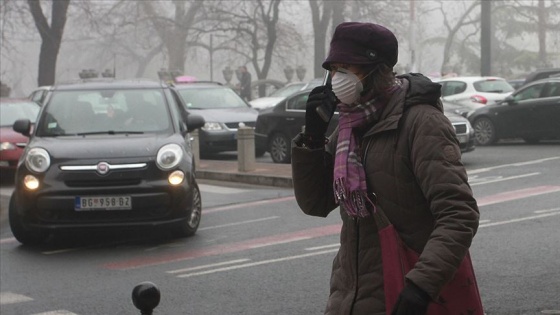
x=411 y=301
x=323 y=97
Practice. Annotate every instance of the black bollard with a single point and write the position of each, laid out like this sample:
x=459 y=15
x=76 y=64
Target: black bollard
x=146 y=296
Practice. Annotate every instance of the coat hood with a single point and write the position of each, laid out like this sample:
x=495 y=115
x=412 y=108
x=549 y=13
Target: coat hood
x=421 y=90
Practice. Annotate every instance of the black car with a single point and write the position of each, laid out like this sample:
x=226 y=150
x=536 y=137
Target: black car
x=278 y=125
x=222 y=109
x=531 y=113
x=106 y=154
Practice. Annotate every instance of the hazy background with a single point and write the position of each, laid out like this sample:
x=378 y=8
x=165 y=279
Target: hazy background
x=200 y=38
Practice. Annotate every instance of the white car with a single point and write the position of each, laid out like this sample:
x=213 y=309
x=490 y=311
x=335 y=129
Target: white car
x=475 y=90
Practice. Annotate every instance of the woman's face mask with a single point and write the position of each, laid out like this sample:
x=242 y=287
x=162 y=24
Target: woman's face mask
x=346 y=86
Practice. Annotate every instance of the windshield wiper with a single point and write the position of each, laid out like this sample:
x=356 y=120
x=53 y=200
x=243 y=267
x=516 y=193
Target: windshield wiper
x=109 y=132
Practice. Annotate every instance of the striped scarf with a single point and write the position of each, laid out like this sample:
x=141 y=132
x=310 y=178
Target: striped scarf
x=350 y=185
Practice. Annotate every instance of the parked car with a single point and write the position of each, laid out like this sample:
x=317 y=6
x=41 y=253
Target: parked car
x=540 y=74
x=278 y=125
x=280 y=94
x=13 y=143
x=222 y=109
x=516 y=83
x=531 y=113
x=106 y=154
x=480 y=90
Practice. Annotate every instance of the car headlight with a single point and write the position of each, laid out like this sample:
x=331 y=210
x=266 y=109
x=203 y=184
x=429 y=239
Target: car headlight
x=212 y=126
x=38 y=160
x=7 y=146
x=169 y=156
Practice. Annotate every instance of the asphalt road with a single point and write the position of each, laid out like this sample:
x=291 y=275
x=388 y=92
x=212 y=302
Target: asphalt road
x=256 y=253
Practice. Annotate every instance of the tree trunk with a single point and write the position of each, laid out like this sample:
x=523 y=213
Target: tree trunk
x=542 y=34
x=51 y=37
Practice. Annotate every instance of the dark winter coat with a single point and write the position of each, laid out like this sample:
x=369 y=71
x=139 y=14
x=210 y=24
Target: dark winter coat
x=413 y=164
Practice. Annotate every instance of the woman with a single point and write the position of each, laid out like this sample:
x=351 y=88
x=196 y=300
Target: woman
x=394 y=149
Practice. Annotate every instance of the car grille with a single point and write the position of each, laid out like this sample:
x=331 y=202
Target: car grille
x=460 y=128
x=235 y=125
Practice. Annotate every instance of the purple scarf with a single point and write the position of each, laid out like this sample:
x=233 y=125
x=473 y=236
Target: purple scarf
x=350 y=185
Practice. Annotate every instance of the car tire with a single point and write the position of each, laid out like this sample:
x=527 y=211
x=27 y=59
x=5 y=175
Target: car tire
x=189 y=226
x=280 y=148
x=484 y=131
x=20 y=230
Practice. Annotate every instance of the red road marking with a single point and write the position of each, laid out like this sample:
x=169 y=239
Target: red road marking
x=226 y=248
x=516 y=194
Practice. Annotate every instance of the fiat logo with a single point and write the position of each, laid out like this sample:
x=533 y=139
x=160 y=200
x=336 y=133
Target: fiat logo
x=103 y=168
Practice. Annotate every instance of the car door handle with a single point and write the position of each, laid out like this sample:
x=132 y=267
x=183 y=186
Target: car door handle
x=290 y=119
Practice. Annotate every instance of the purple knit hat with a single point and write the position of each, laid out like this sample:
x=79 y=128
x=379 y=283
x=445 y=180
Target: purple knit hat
x=362 y=44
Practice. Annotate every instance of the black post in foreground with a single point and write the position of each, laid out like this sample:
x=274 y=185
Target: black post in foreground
x=146 y=296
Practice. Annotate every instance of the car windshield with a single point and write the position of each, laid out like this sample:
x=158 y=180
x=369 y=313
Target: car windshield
x=12 y=111
x=493 y=86
x=108 y=111
x=209 y=98
x=287 y=90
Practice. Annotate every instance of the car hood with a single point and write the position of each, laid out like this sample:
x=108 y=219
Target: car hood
x=7 y=134
x=454 y=118
x=264 y=102
x=104 y=146
x=226 y=115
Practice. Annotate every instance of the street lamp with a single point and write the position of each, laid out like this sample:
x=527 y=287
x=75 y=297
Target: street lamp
x=289 y=73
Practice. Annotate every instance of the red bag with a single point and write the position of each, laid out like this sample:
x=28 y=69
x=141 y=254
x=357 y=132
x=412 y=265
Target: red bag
x=459 y=297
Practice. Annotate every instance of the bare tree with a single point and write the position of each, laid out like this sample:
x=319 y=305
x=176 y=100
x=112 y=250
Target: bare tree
x=51 y=36
x=321 y=14
x=173 y=31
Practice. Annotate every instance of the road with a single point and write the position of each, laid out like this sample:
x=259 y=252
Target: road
x=256 y=253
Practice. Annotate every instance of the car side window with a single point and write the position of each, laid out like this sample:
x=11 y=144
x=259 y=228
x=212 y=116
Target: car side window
x=530 y=92
x=551 y=89
x=452 y=88
x=298 y=102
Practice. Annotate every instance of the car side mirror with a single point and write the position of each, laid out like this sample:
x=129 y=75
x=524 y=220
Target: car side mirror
x=509 y=100
x=195 y=122
x=22 y=126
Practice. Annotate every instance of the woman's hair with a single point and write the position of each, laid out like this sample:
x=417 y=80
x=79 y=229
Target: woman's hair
x=380 y=80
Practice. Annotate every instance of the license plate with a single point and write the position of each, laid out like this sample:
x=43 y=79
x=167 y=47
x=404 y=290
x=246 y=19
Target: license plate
x=103 y=203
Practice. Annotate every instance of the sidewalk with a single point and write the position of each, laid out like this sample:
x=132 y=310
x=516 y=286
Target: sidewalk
x=267 y=174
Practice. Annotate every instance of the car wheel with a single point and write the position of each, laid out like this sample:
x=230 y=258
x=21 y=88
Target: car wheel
x=189 y=226
x=484 y=131
x=20 y=230
x=280 y=148
x=532 y=140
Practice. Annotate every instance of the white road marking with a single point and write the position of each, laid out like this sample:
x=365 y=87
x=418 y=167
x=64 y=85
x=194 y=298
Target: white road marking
x=295 y=239
x=220 y=189
x=323 y=247
x=486 y=169
x=58 y=312
x=237 y=223
x=230 y=262
x=498 y=179
x=548 y=210
x=11 y=298
x=519 y=219
x=257 y=263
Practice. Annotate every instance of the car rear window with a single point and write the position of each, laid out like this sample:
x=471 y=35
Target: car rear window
x=10 y=112
x=493 y=86
x=209 y=98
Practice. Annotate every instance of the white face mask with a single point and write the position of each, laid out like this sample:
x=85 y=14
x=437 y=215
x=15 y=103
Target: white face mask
x=346 y=86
